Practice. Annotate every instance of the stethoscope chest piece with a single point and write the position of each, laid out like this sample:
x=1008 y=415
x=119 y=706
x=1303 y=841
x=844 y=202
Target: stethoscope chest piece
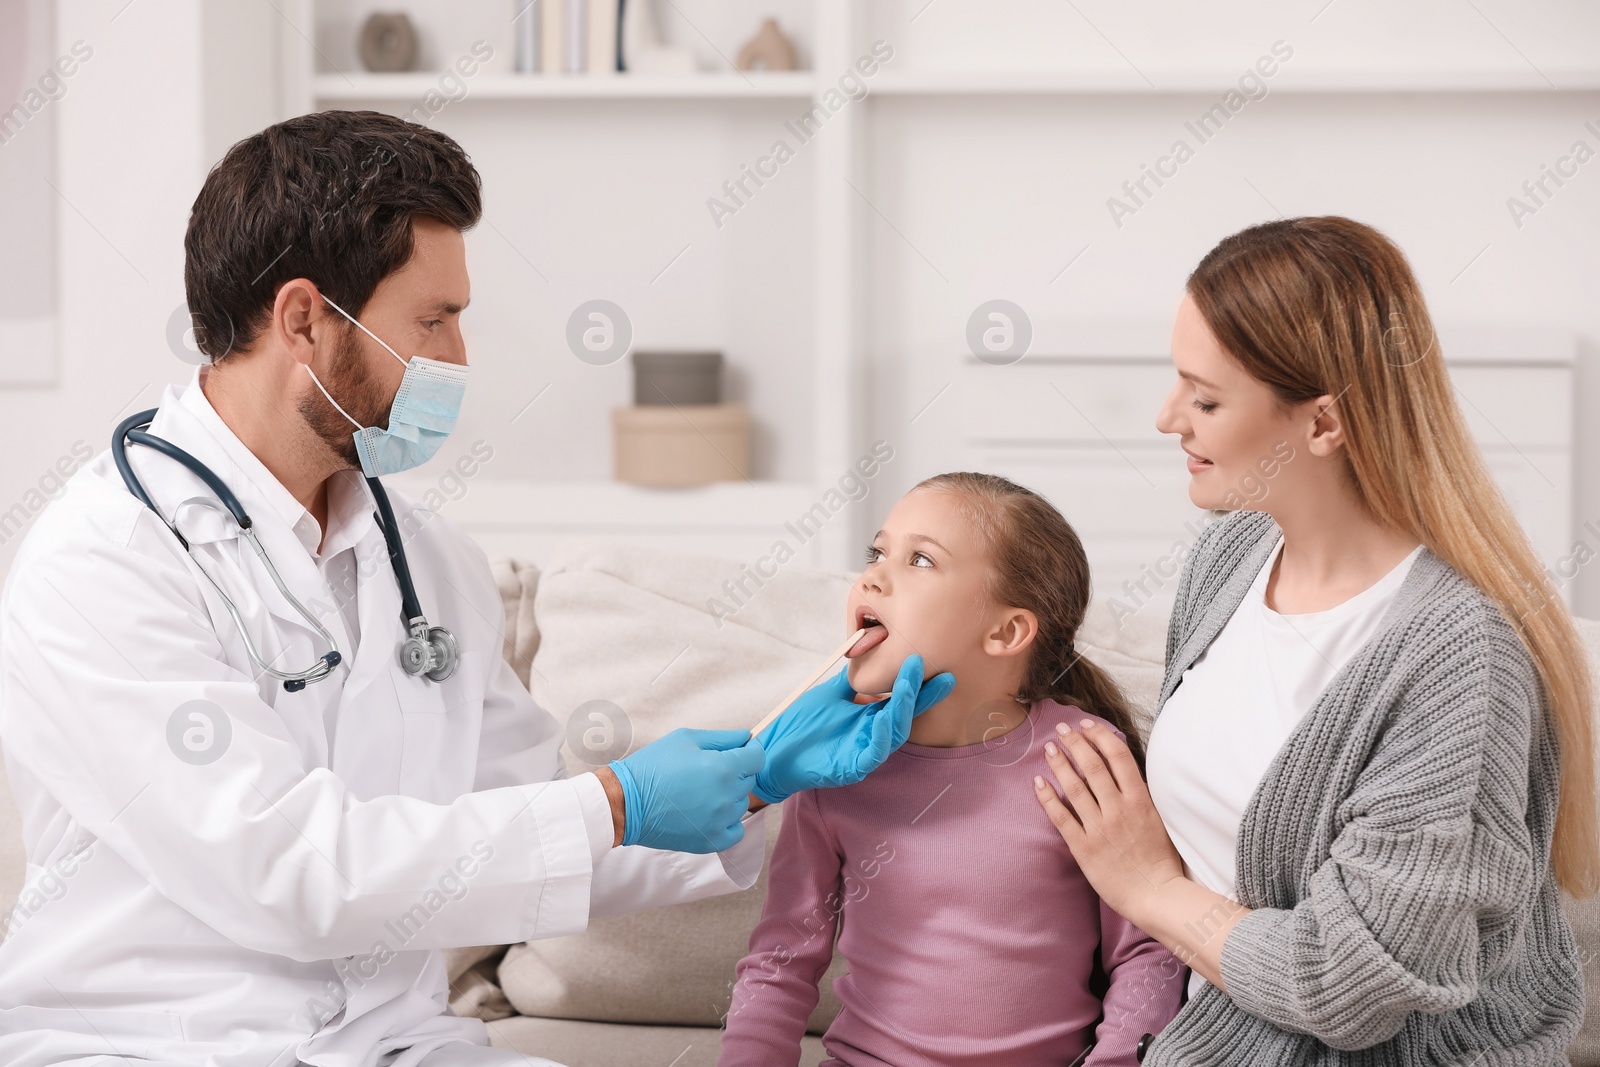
x=430 y=650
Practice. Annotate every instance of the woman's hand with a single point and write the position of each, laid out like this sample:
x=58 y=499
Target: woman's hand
x=1122 y=847
x=1112 y=825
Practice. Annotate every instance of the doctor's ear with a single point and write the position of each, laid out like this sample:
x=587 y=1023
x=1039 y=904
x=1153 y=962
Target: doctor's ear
x=299 y=317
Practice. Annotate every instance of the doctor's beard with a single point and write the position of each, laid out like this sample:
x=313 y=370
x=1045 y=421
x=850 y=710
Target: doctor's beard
x=353 y=387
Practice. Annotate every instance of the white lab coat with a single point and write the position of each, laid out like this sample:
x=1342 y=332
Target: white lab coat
x=288 y=900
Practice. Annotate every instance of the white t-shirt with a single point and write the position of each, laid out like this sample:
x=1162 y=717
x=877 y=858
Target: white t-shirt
x=1236 y=706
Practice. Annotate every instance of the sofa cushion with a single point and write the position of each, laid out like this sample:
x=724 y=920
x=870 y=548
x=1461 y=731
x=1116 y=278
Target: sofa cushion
x=662 y=640
x=1132 y=647
x=670 y=965
x=518 y=582
x=585 y=1044
x=635 y=627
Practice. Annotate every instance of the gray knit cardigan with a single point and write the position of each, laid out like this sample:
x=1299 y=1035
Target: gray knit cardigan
x=1397 y=851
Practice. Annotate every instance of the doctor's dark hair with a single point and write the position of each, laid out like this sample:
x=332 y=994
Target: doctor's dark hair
x=330 y=197
x=1037 y=562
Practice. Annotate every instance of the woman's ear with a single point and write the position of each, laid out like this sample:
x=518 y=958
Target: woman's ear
x=1012 y=633
x=1327 y=426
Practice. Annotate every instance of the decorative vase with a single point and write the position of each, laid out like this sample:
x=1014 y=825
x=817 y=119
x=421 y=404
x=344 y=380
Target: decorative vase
x=388 y=42
x=769 y=49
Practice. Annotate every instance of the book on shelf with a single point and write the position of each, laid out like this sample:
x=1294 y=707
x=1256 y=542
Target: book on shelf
x=575 y=50
x=550 y=36
x=602 y=36
x=567 y=36
x=525 y=30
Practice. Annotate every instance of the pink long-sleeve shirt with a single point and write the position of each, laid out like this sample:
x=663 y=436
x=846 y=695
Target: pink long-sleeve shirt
x=970 y=933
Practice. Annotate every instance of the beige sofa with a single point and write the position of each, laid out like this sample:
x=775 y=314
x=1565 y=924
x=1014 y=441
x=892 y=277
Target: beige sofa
x=631 y=626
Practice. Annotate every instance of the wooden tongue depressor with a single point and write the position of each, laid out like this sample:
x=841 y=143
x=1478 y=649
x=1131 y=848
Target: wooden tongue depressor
x=816 y=677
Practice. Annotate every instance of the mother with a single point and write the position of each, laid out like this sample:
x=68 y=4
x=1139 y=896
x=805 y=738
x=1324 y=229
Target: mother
x=1372 y=763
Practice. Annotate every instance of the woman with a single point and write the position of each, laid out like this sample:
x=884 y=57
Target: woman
x=1372 y=763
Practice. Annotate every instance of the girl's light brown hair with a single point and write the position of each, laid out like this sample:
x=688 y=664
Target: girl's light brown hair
x=1038 y=563
x=1328 y=306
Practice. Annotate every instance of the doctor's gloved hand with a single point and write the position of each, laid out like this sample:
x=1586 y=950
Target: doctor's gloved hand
x=826 y=739
x=688 y=791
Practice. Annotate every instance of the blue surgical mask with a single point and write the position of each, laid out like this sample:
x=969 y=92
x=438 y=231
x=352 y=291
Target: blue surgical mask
x=422 y=415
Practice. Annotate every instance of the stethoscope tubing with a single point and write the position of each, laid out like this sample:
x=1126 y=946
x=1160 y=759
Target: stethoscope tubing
x=409 y=605
x=133 y=429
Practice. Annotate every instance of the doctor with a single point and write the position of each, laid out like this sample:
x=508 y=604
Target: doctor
x=244 y=849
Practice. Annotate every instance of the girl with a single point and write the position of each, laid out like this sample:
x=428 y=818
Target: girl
x=1373 y=764
x=972 y=937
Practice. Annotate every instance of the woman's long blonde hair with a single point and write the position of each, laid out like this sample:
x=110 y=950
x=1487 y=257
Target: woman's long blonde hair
x=1312 y=306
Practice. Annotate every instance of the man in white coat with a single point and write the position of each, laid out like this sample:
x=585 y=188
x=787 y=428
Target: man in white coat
x=239 y=872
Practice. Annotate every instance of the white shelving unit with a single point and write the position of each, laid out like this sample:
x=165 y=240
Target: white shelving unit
x=741 y=519
x=730 y=518
x=330 y=89
x=1195 y=80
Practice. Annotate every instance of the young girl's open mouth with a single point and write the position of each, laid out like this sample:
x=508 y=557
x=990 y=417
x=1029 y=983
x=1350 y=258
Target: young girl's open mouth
x=876 y=633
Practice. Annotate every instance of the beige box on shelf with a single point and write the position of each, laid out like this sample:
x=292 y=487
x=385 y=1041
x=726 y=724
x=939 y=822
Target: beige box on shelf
x=685 y=444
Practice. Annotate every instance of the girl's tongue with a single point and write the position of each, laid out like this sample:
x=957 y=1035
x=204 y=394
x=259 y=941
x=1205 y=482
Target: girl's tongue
x=874 y=637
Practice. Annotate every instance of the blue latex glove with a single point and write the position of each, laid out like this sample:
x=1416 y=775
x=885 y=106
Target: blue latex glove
x=688 y=791
x=825 y=739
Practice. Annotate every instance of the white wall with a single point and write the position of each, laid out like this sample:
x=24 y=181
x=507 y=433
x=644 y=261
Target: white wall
x=29 y=87
x=1432 y=171
x=128 y=161
x=997 y=193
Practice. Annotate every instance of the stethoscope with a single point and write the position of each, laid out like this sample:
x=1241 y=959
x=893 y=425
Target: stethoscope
x=427 y=650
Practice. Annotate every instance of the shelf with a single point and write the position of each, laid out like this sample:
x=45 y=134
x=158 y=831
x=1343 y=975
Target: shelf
x=415 y=85
x=1156 y=81
x=800 y=85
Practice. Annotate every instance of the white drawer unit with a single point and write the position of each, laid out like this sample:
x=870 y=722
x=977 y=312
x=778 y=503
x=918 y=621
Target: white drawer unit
x=1079 y=427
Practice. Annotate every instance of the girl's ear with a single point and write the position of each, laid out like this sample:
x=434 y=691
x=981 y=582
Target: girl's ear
x=1013 y=632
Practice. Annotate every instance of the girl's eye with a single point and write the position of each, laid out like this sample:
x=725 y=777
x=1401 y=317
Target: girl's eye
x=874 y=554
x=1206 y=406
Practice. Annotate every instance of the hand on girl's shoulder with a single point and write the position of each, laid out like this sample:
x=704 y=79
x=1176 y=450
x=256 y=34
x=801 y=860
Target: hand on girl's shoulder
x=1073 y=716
